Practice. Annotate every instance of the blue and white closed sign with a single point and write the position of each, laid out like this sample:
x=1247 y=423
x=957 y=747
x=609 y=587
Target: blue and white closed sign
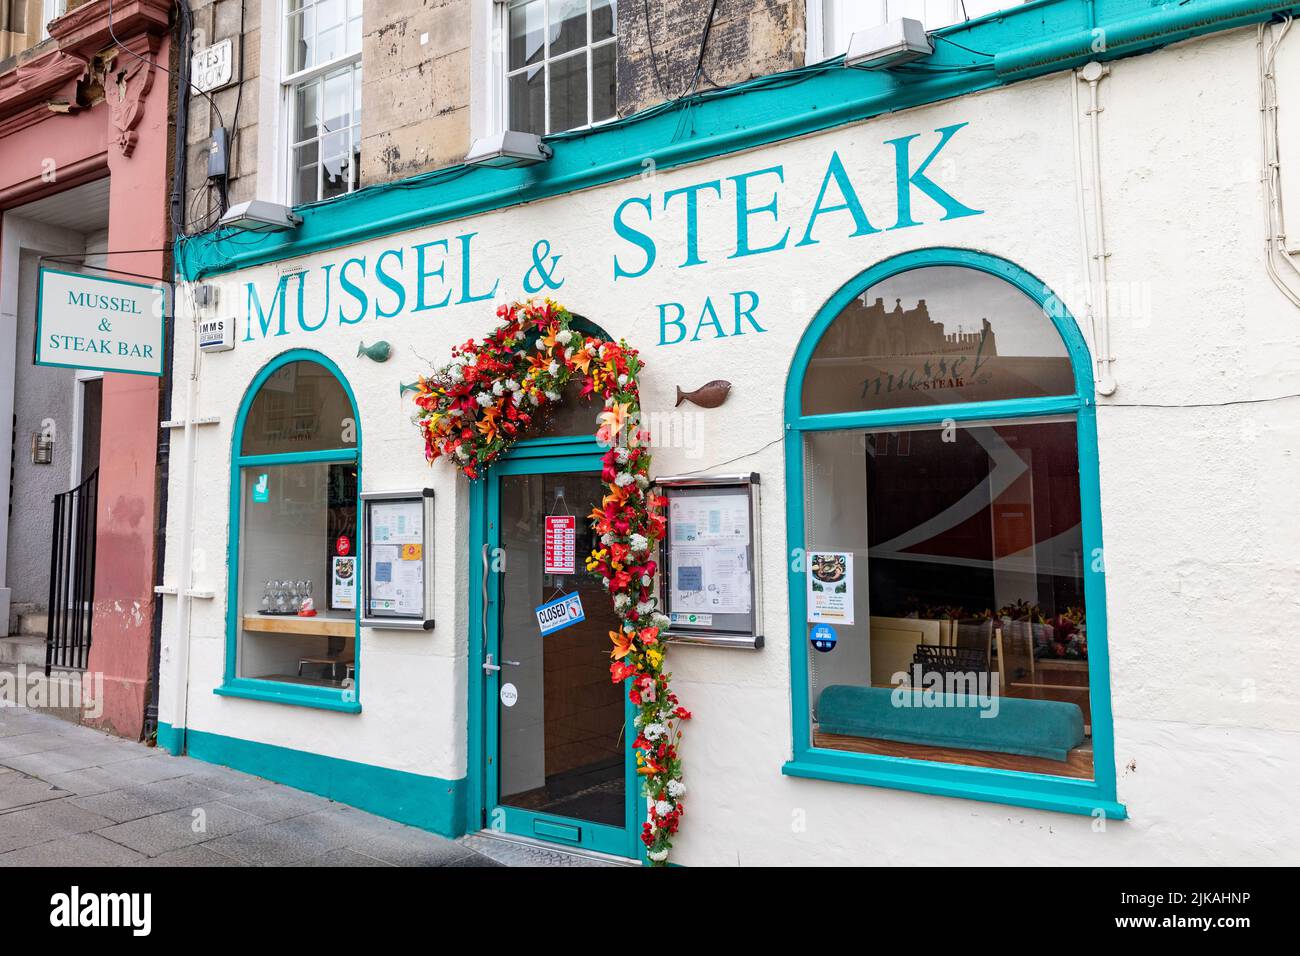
x=560 y=613
x=89 y=322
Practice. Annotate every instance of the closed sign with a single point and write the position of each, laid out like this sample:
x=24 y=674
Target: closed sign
x=88 y=322
x=560 y=613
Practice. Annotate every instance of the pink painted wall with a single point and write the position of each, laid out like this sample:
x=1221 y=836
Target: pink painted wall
x=126 y=135
x=124 y=571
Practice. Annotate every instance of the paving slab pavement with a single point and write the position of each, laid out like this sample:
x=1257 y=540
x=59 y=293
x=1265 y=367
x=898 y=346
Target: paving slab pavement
x=74 y=796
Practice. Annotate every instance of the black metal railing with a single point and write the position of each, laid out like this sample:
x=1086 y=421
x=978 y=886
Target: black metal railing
x=72 y=576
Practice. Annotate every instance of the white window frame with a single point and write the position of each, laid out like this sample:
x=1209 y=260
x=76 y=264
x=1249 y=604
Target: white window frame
x=499 y=65
x=51 y=10
x=828 y=37
x=279 y=91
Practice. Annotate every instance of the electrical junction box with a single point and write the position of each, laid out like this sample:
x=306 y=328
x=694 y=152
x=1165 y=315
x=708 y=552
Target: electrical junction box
x=219 y=154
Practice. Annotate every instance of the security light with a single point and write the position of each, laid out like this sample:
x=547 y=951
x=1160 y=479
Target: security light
x=257 y=215
x=890 y=44
x=507 y=150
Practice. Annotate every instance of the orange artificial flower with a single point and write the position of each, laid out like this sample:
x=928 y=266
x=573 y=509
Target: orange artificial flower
x=622 y=644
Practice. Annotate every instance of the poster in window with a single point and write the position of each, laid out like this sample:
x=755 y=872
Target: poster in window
x=343 y=583
x=830 y=587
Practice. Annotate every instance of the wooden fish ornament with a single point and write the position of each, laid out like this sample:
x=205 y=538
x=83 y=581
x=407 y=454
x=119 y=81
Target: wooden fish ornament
x=378 y=352
x=709 y=395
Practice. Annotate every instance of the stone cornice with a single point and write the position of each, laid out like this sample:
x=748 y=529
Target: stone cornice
x=52 y=70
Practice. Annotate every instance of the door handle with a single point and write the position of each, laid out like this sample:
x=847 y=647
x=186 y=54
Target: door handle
x=486 y=568
x=489 y=667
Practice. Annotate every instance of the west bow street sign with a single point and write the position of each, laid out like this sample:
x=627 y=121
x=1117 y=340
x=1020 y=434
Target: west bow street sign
x=89 y=322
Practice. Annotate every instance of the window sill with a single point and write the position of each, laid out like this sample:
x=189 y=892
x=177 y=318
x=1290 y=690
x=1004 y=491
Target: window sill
x=1058 y=794
x=322 y=698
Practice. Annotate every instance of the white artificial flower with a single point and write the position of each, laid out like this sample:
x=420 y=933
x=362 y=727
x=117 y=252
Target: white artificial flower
x=498 y=389
x=663 y=808
x=606 y=580
x=553 y=396
x=456 y=412
x=639 y=542
x=676 y=788
x=456 y=374
x=623 y=479
x=607 y=538
x=534 y=399
x=642 y=481
x=541 y=346
x=461 y=453
x=564 y=337
x=554 y=367
x=621 y=601
x=654 y=731
x=621 y=454
x=483 y=398
x=645 y=581
x=644 y=607
x=658 y=855
x=622 y=380
x=660 y=621
x=512 y=385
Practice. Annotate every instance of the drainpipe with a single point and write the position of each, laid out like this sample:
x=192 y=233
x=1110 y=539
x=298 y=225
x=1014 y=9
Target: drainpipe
x=185 y=558
x=1092 y=74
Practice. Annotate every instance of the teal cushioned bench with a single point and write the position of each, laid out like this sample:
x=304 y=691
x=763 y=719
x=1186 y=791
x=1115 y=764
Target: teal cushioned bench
x=1034 y=728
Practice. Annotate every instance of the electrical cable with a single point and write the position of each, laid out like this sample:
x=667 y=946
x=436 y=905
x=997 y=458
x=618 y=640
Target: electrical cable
x=940 y=36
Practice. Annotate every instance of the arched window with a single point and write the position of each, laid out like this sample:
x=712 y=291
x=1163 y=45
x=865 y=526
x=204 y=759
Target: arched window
x=293 y=531
x=946 y=581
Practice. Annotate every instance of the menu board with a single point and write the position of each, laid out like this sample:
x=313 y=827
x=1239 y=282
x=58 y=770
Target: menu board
x=709 y=559
x=396 y=587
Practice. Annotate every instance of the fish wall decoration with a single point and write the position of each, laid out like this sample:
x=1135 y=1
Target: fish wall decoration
x=710 y=395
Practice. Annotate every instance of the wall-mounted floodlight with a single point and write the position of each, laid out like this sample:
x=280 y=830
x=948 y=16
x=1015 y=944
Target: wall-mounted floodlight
x=507 y=150
x=257 y=215
x=890 y=44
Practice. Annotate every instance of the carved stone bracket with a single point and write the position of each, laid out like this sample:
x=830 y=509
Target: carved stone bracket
x=127 y=80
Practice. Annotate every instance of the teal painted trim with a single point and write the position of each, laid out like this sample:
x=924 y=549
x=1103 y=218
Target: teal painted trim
x=283 y=692
x=751 y=114
x=910 y=779
x=159 y=286
x=299 y=457
x=936 y=414
x=233 y=685
x=979 y=783
x=171 y=739
x=430 y=803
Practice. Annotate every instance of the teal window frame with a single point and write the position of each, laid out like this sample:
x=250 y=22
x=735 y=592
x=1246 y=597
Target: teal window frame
x=343 y=700
x=1096 y=797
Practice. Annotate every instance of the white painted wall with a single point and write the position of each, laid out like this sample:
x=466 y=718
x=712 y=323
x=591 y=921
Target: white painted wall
x=1198 y=498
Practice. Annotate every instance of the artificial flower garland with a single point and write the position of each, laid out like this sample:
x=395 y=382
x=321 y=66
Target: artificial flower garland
x=476 y=407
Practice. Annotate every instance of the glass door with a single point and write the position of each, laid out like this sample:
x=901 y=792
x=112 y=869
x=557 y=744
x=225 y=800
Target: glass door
x=558 y=762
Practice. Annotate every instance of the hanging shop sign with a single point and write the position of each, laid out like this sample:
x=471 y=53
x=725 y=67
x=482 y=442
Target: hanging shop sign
x=556 y=615
x=90 y=322
x=561 y=542
x=710 y=555
x=397 y=585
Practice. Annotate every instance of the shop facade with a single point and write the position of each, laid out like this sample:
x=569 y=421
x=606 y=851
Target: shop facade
x=1004 y=428
x=84 y=164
